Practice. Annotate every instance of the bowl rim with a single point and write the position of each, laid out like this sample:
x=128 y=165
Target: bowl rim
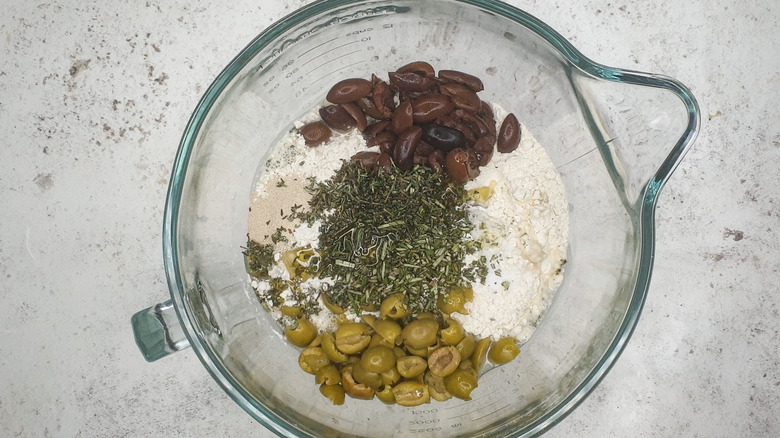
x=646 y=205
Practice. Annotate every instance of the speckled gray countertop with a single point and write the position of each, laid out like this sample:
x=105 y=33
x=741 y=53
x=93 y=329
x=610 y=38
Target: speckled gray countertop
x=95 y=94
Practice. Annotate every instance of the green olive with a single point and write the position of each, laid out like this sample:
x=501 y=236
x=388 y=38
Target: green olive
x=378 y=340
x=391 y=376
x=436 y=387
x=352 y=337
x=503 y=351
x=411 y=366
x=420 y=333
x=312 y=359
x=466 y=346
x=385 y=394
x=460 y=384
x=329 y=347
x=369 y=319
x=302 y=333
x=330 y=306
x=480 y=354
x=453 y=333
x=454 y=301
x=422 y=352
x=443 y=361
x=292 y=311
x=411 y=393
x=328 y=375
x=425 y=315
x=352 y=388
x=334 y=393
x=394 y=307
x=368 y=378
x=378 y=359
x=388 y=329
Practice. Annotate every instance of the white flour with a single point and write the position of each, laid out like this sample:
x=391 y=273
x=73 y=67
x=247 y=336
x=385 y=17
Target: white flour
x=524 y=224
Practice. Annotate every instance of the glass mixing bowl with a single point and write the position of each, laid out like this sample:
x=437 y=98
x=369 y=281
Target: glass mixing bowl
x=614 y=135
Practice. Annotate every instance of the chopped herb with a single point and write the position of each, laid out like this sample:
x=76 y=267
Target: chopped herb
x=392 y=231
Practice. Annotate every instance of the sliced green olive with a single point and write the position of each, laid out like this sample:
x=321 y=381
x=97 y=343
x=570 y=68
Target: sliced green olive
x=368 y=378
x=480 y=354
x=328 y=375
x=391 y=376
x=385 y=394
x=411 y=393
x=460 y=384
x=453 y=333
x=443 y=361
x=292 y=311
x=329 y=347
x=378 y=359
x=422 y=352
x=466 y=346
x=378 y=340
x=394 y=307
x=454 y=301
x=388 y=329
x=330 y=306
x=312 y=359
x=352 y=337
x=369 y=319
x=352 y=388
x=334 y=393
x=411 y=366
x=301 y=333
x=420 y=333
x=425 y=315
x=503 y=351
x=436 y=387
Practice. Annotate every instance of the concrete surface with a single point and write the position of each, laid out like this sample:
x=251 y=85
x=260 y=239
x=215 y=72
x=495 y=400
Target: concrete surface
x=95 y=94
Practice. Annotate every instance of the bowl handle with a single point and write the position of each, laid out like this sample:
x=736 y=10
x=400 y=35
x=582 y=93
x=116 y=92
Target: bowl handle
x=158 y=332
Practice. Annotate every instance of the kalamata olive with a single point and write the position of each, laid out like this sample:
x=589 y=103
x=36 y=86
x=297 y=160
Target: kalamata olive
x=458 y=124
x=424 y=149
x=383 y=99
x=375 y=128
x=436 y=161
x=478 y=126
x=367 y=159
x=428 y=107
x=484 y=149
x=385 y=141
x=461 y=165
x=462 y=96
x=411 y=81
x=405 y=145
x=357 y=114
x=315 y=133
x=459 y=77
x=368 y=107
x=402 y=117
x=349 y=90
x=385 y=161
x=486 y=109
x=442 y=137
x=509 y=134
x=421 y=67
x=336 y=117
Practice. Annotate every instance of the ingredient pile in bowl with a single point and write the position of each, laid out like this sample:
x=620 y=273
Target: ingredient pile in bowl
x=405 y=234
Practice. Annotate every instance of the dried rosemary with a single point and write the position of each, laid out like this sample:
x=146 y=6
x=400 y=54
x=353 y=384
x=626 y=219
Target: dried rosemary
x=391 y=231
